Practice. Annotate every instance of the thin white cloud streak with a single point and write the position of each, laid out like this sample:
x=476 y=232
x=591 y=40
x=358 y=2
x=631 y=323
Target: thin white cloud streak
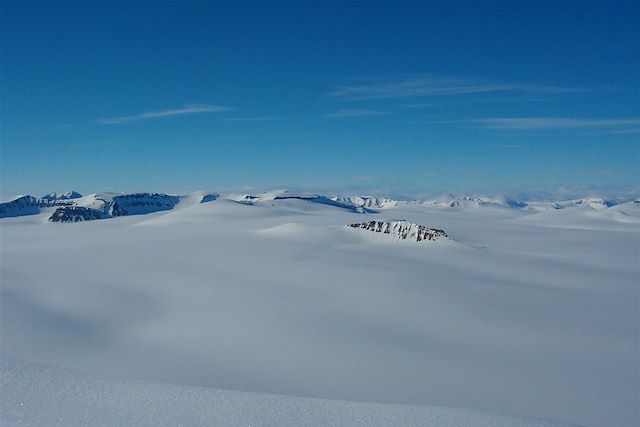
x=251 y=119
x=435 y=86
x=413 y=106
x=552 y=123
x=625 y=131
x=616 y=172
x=364 y=177
x=354 y=113
x=185 y=110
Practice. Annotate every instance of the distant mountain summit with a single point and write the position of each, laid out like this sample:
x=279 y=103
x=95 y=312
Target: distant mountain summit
x=22 y=206
x=277 y=196
x=101 y=206
x=76 y=214
x=369 y=202
x=64 y=196
x=108 y=205
x=588 y=202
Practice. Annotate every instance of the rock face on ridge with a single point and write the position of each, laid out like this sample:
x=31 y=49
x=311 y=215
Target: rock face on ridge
x=25 y=205
x=402 y=230
x=76 y=214
x=29 y=205
x=141 y=203
x=209 y=197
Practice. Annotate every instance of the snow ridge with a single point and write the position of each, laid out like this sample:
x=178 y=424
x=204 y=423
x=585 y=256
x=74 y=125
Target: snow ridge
x=588 y=202
x=369 y=202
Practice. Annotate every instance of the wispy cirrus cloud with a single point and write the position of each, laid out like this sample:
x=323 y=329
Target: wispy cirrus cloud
x=364 y=177
x=437 y=86
x=348 y=112
x=628 y=130
x=251 y=119
x=508 y=146
x=552 y=123
x=614 y=172
x=185 y=110
x=413 y=106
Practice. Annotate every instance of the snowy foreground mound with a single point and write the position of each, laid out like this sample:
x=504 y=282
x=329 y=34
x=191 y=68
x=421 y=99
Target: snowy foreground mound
x=402 y=230
x=42 y=395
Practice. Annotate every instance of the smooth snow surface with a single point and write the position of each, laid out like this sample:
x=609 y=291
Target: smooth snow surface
x=524 y=312
x=42 y=395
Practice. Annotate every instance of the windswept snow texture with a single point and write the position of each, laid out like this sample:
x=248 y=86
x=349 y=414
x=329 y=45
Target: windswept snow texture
x=529 y=312
x=43 y=395
x=403 y=230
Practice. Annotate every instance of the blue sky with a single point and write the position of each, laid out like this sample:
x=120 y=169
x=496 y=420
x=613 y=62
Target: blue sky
x=415 y=96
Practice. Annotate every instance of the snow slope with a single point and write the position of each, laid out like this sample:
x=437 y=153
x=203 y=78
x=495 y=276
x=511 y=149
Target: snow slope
x=524 y=312
x=44 y=395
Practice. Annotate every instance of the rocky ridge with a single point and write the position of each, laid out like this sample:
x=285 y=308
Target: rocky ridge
x=402 y=230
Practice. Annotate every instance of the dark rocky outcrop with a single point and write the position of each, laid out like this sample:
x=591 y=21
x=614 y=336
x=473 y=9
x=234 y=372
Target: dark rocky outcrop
x=25 y=205
x=141 y=203
x=209 y=197
x=76 y=214
x=402 y=230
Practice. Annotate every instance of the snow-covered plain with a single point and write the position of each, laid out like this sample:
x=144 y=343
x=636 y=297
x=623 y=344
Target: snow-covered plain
x=524 y=312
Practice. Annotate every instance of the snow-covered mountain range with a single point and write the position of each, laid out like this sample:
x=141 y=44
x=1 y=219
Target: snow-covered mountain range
x=73 y=207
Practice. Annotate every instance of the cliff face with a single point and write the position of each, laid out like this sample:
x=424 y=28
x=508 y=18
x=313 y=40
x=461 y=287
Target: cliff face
x=76 y=214
x=141 y=203
x=402 y=230
x=25 y=205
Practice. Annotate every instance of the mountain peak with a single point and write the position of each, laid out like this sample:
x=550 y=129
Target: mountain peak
x=63 y=196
